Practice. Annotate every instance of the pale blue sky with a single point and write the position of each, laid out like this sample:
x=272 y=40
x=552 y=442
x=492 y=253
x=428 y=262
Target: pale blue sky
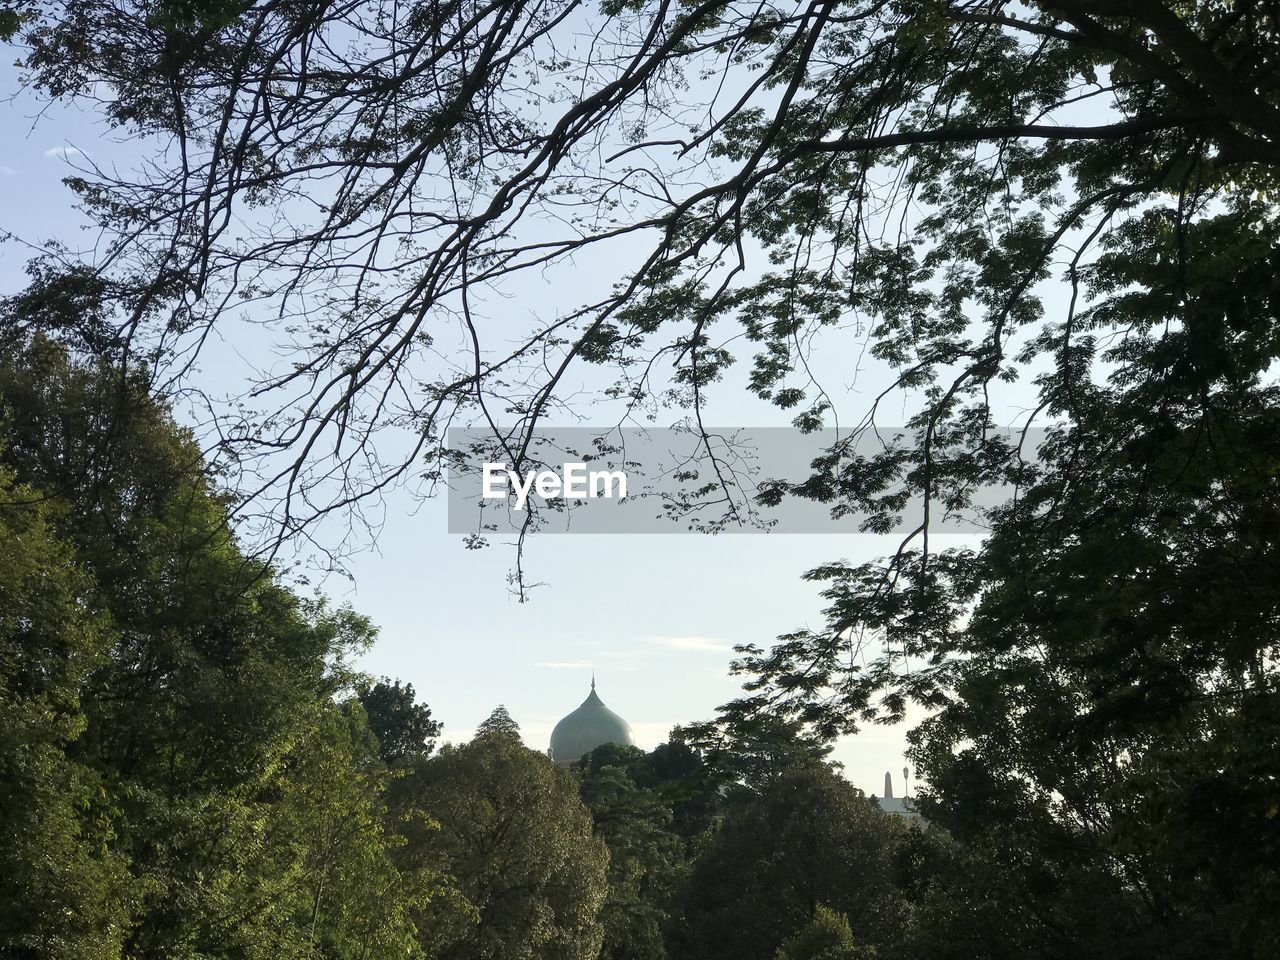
x=654 y=615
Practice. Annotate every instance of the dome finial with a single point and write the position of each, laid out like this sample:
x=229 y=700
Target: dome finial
x=593 y=679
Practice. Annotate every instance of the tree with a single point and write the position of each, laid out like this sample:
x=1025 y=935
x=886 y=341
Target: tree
x=64 y=892
x=808 y=838
x=1013 y=894
x=183 y=780
x=499 y=722
x=1067 y=193
x=404 y=727
x=647 y=858
x=827 y=937
x=519 y=844
x=753 y=749
x=1104 y=668
x=683 y=778
x=352 y=897
x=928 y=167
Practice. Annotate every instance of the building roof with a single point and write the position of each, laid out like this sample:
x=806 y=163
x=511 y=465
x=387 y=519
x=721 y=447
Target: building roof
x=590 y=726
x=902 y=806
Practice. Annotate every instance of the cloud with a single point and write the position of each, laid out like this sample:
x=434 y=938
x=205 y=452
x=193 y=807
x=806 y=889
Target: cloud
x=597 y=655
x=563 y=665
x=6 y=170
x=696 y=644
x=65 y=153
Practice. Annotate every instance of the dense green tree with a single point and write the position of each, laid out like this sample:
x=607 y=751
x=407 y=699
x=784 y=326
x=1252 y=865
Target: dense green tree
x=808 y=838
x=682 y=777
x=647 y=858
x=176 y=735
x=1064 y=207
x=1001 y=898
x=516 y=839
x=500 y=722
x=64 y=892
x=1104 y=669
x=404 y=728
x=827 y=937
x=753 y=748
x=329 y=831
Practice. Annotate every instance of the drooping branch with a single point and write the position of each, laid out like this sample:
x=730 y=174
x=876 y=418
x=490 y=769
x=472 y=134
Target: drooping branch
x=350 y=184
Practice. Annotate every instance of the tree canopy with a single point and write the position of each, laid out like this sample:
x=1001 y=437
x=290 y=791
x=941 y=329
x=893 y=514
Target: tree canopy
x=806 y=840
x=1055 y=215
x=520 y=844
x=974 y=188
x=185 y=771
x=404 y=728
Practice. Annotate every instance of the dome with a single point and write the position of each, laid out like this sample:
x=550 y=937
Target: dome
x=588 y=727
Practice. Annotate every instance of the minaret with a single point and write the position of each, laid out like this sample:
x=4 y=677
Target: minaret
x=888 y=785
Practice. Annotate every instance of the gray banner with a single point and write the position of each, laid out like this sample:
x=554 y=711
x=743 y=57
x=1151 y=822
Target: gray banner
x=727 y=480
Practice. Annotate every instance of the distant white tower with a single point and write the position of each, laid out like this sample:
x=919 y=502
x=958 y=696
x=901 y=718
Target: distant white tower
x=897 y=805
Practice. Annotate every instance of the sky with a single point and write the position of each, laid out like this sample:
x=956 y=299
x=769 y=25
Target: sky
x=654 y=616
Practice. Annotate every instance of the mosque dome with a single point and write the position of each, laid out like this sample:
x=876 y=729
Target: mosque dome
x=590 y=726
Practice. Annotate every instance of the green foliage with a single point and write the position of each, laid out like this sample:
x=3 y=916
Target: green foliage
x=353 y=900
x=64 y=892
x=1104 y=667
x=647 y=858
x=827 y=937
x=682 y=776
x=518 y=843
x=179 y=780
x=212 y=14
x=807 y=838
x=499 y=722
x=13 y=15
x=404 y=728
x=753 y=747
